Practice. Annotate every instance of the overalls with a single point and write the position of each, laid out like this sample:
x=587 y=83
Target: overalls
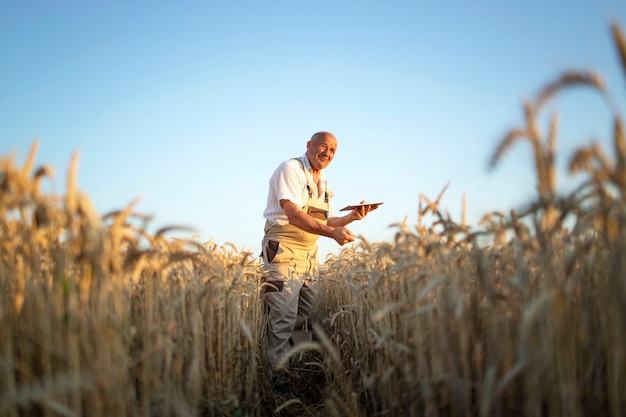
x=290 y=289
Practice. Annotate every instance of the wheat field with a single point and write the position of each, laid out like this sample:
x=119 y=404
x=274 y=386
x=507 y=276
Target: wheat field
x=524 y=315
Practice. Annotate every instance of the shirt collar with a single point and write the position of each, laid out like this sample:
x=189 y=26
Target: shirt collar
x=308 y=168
x=305 y=162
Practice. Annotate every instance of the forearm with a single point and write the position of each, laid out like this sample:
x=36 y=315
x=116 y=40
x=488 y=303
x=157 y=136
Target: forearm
x=340 y=221
x=307 y=223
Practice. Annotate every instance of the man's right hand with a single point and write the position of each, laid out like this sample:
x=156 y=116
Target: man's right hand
x=342 y=235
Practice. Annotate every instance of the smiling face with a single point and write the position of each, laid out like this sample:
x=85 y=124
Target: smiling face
x=320 y=150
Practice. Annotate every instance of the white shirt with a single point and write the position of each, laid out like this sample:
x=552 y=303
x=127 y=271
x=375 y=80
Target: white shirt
x=289 y=182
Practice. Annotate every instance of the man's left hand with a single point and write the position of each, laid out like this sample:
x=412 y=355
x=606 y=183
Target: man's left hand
x=360 y=212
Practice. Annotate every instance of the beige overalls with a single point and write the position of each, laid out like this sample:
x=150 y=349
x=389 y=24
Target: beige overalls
x=290 y=291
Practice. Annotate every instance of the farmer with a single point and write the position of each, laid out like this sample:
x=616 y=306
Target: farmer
x=298 y=211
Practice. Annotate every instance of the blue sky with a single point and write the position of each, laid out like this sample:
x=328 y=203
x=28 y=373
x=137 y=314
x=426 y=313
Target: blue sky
x=191 y=105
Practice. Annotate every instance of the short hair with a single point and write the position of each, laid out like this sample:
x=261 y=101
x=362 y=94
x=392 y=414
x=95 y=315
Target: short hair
x=320 y=135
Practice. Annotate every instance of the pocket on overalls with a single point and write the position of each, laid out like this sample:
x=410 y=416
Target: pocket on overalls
x=317 y=209
x=317 y=213
x=271 y=249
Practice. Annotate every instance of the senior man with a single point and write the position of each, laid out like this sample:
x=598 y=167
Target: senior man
x=299 y=210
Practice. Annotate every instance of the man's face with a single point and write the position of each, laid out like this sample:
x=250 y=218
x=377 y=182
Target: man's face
x=321 y=151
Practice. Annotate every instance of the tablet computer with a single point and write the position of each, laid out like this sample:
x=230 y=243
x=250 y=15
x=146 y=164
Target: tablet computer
x=355 y=206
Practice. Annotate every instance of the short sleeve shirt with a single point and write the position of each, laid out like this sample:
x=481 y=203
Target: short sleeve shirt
x=289 y=182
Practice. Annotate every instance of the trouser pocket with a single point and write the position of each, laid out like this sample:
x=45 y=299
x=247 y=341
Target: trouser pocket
x=271 y=249
x=273 y=286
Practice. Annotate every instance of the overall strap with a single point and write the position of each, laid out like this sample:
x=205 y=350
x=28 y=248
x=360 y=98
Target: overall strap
x=308 y=187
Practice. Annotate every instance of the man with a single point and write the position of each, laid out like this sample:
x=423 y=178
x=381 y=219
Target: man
x=298 y=211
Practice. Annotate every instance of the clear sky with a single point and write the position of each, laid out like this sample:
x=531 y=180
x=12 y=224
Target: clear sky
x=191 y=105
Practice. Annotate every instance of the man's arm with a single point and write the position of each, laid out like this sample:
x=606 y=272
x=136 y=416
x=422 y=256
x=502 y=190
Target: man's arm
x=307 y=223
